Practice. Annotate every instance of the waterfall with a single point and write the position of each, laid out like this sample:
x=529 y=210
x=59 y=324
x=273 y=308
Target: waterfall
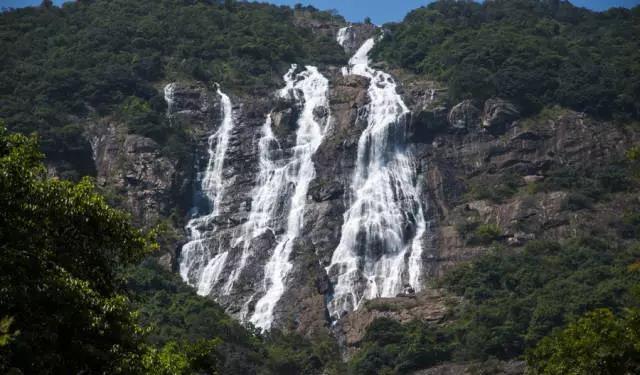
x=197 y=267
x=380 y=249
x=169 y=97
x=282 y=186
x=345 y=34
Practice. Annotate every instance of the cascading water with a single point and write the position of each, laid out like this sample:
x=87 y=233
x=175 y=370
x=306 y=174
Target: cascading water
x=344 y=35
x=197 y=267
x=169 y=97
x=380 y=250
x=289 y=178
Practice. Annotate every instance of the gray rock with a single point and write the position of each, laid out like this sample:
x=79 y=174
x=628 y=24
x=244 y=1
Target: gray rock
x=464 y=115
x=498 y=114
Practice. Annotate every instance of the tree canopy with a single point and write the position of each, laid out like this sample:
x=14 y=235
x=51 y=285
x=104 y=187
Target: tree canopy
x=536 y=53
x=61 y=246
x=598 y=343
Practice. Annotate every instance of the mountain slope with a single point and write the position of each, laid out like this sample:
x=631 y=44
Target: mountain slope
x=536 y=53
x=467 y=181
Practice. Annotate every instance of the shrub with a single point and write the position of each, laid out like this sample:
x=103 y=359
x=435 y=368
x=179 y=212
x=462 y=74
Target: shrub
x=597 y=343
x=485 y=234
x=576 y=201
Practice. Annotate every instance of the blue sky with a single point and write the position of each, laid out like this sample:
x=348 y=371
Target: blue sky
x=380 y=11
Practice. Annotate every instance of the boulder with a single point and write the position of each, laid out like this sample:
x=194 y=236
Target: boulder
x=426 y=124
x=464 y=115
x=498 y=113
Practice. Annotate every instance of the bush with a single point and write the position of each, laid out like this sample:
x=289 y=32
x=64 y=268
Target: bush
x=485 y=234
x=597 y=343
x=392 y=348
x=576 y=201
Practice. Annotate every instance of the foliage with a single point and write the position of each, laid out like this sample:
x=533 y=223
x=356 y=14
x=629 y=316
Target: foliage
x=588 y=184
x=183 y=359
x=5 y=331
x=475 y=233
x=486 y=233
x=514 y=301
x=497 y=188
x=173 y=313
x=71 y=283
x=599 y=343
x=391 y=348
x=514 y=298
x=60 y=248
x=533 y=52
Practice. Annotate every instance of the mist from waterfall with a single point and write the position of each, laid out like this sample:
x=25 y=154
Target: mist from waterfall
x=200 y=265
x=380 y=250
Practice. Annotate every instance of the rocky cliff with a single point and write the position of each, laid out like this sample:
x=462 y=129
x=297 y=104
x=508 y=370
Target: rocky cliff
x=484 y=173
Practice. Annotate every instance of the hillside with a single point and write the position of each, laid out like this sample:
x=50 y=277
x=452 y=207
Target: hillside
x=535 y=53
x=93 y=59
x=455 y=193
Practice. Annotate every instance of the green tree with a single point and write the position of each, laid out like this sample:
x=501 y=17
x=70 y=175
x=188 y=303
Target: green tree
x=599 y=343
x=60 y=249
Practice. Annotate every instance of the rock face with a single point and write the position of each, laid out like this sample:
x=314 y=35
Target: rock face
x=466 y=172
x=132 y=167
x=354 y=36
x=464 y=115
x=334 y=162
x=498 y=114
x=464 y=158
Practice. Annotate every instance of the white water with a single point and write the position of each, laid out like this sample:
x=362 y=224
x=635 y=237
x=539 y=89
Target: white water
x=270 y=187
x=287 y=178
x=169 y=91
x=380 y=249
x=197 y=267
x=344 y=34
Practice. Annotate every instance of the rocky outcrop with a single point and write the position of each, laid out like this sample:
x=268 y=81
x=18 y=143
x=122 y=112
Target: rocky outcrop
x=428 y=306
x=132 y=168
x=493 y=367
x=428 y=102
x=464 y=115
x=476 y=178
x=355 y=35
x=497 y=115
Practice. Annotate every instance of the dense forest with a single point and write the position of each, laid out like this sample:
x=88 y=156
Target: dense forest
x=537 y=53
x=81 y=293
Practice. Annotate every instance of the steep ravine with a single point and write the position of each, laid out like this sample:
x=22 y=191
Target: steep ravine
x=272 y=258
